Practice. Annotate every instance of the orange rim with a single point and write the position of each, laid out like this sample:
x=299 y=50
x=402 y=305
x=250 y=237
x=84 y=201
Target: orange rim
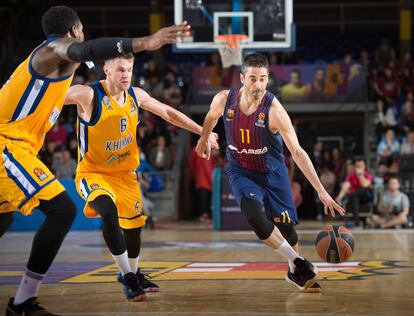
x=232 y=40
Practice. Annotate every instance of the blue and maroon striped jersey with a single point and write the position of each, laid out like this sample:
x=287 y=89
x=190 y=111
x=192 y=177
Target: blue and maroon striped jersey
x=250 y=143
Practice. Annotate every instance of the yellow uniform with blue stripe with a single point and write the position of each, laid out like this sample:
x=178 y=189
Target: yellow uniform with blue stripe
x=108 y=156
x=29 y=106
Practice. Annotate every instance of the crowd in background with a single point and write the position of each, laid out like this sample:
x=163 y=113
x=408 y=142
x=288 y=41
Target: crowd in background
x=389 y=83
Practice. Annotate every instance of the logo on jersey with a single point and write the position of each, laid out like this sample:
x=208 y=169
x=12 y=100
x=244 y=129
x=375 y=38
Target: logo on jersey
x=137 y=206
x=132 y=108
x=40 y=173
x=107 y=102
x=118 y=144
x=260 y=120
x=118 y=157
x=230 y=115
x=259 y=151
x=94 y=186
x=54 y=115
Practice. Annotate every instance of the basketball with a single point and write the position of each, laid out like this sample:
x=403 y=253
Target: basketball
x=335 y=244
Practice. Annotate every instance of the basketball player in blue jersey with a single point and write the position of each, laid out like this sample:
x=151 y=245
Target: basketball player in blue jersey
x=256 y=125
x=31 y=101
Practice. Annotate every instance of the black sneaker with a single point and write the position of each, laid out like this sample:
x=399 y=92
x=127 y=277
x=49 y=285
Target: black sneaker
x=305 y=274
x=146 y=284
x=131 y=287
x=315 y=288
x=29 y=307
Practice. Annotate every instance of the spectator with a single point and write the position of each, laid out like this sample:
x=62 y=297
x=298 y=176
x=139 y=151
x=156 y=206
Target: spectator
x=407 y=81
x=57 y=134
x=384 y=54
x=407 y=117
x=64 y=165
x=387 y=87
x=385 y=118
x=294 y=91
x=317 y=155
x=393 y=207
x=357 y=187
x=388 y=149
x=328 y=179
x=380 y=178
x=73 y=147
x=160 y=156
x=407 y=148
x=315 y=90
x=172 y=92
x=337 y=162
x=201 y=172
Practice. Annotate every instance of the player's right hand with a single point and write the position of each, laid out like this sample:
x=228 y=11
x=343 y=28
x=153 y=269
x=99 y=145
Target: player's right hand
x=214 y=141
x=168 y=35
x=203 y=147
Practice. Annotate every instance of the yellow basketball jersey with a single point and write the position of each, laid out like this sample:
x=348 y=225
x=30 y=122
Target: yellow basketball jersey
x=31 y=104
x=107 y=143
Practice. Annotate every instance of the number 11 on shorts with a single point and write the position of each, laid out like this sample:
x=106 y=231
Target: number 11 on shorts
x=285 y=217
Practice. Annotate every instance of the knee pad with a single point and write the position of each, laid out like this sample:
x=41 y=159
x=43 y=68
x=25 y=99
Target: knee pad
x=255 y=215
x=61 y=208
x=288 y=231
x=105 y=207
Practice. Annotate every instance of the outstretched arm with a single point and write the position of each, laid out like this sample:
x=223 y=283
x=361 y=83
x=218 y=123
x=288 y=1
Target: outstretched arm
x=68 y=50
x=216 y=111
x=279 y=121
x=170 y=114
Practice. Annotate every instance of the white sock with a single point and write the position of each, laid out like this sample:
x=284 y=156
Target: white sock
x=133 y=263
x=287 y=251
x=122 y=262
x=29 y=286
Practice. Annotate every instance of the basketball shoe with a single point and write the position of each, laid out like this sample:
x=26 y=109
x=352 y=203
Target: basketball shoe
x=29 y=307
x=146 y=284
x=305 y=275
x=131 y=287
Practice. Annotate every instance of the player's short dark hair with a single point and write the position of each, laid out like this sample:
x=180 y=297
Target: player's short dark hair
x=255 y=60
x=58 y=20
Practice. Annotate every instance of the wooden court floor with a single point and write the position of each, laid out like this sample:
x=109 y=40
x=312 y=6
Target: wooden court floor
x=206 y=272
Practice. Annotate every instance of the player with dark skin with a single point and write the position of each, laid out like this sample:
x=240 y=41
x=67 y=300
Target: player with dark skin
x=31 y=102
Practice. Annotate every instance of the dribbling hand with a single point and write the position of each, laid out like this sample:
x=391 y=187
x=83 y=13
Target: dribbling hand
x=329 y=204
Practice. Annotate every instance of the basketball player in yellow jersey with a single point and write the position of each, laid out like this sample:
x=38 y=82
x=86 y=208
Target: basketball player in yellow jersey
x=31 y=101
x=108 y=114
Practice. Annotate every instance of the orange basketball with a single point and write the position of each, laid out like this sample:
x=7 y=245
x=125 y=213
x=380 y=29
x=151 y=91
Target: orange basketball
x=335 y=244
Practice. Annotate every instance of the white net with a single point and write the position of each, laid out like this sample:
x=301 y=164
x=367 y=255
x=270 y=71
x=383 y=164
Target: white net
x=231 y=56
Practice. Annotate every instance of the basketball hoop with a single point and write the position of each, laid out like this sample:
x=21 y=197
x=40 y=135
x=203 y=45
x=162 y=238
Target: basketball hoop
x=231 y=51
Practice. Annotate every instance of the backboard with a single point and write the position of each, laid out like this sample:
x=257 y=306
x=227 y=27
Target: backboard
x=267 y=23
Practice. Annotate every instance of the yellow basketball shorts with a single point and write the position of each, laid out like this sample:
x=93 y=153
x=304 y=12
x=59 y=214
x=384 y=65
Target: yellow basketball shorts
x=122 y=188
x=24 y=180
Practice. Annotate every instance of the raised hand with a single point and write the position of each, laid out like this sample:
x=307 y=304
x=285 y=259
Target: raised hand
x=168 y=35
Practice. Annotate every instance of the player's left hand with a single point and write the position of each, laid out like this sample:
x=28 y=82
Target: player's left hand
x=203 y=147
x=167 y=35
x=329 y=204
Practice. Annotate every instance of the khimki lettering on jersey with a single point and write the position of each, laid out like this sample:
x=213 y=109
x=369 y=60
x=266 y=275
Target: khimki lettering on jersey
x=249 y=151
x=119 y=144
